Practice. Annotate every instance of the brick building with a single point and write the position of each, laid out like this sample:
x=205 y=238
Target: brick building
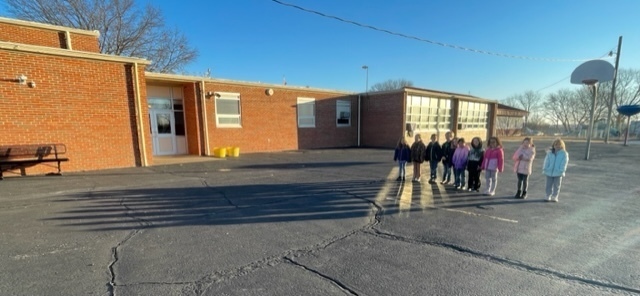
x=110 y=113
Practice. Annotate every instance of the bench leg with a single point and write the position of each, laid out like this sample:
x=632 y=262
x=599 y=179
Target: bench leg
x=23 y=172
x=1 y=177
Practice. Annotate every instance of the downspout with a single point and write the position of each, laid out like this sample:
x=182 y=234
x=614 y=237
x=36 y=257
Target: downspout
x=142 y=143
x=359 y=117
x=67 y=39
x=204 y=118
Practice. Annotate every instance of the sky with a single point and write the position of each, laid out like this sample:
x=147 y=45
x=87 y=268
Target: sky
x=540 y=42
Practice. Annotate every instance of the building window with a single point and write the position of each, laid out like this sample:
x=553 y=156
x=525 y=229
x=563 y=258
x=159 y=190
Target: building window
x=472 y=115
x=227 y=109
x=343 y=113
x=178 y=111
x=306 y=112
x=425 y=113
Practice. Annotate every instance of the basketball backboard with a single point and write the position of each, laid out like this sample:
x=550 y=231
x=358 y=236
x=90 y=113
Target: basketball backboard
x=593 y=71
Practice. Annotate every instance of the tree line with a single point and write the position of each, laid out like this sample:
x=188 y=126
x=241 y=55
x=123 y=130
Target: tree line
x=569 y=109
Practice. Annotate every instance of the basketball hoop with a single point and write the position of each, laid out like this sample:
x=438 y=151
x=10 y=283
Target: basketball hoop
x=589 y=74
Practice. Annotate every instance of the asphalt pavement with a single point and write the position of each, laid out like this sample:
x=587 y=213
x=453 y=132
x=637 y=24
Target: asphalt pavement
x=322 y=222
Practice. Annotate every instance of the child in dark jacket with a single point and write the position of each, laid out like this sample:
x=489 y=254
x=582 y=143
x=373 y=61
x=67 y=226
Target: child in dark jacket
x=448 y=148
x=417 y=157
x=433 y=153
x=476 y=154
x=402 y=154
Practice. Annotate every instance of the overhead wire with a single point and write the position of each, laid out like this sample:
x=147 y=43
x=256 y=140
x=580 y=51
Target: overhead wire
x=609 y=53
x=427 y=40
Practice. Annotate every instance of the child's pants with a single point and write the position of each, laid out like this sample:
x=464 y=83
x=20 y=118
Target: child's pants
x=434 y=169
x=553 y=187
x=523 y=182
x=474 y=178
x=459 y=175
x=491 y=178
x=402 y=165
x=446 y=173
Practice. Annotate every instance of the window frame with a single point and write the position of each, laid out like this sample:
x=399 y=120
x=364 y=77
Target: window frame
x=229 y=97
x=341 y=105
x=304 y=101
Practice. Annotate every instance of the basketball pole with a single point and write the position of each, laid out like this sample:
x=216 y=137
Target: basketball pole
x=593 y=86
x=613 y=90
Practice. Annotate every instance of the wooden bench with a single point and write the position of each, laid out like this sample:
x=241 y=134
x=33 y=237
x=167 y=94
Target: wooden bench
x=15 y=157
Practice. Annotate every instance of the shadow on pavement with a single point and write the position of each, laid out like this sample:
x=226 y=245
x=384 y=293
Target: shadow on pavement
x=265 y=203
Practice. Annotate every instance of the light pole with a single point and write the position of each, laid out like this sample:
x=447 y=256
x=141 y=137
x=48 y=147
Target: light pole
x=366 y=88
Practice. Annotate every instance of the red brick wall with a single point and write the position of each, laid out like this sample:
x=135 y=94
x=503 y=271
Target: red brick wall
x=327 y=134
x=269 y=123
x=192 y=115
x=382 y=119
x=47 y=37
x=87 y=105
x=83 y=42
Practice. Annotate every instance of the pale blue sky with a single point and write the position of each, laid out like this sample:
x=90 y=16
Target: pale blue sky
x=261 y=40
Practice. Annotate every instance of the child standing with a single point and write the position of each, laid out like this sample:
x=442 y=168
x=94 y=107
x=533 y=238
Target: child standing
x=555 y=164
x=459 y=161
x=492 y=164
x=448 y=148
x=417 y=156
x=476 y=155
x=402 y=154
x=522 y=167
x=433 y=154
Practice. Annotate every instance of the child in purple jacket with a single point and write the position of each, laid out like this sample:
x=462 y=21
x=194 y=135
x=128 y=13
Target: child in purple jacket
x=459 y=161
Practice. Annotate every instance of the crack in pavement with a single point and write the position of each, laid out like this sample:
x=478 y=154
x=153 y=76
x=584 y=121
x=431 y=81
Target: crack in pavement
x=336 y=282
x=114 y=251
x=505 y=262
x=288 y=256
x=202 y=285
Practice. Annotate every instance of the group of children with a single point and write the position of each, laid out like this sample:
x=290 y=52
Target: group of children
x=459 y=157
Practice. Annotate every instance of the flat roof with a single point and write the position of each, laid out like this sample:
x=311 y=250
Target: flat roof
x=166 y=77
x=36 y=49
x=48 y=27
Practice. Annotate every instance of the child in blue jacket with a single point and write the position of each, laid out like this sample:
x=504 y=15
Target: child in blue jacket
x=555 y=164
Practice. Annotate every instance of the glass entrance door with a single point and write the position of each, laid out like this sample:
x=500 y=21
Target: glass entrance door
x=163 y=132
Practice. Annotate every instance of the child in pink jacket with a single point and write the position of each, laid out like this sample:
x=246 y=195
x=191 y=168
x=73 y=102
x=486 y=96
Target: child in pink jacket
x=523 y=161
x=492 y=164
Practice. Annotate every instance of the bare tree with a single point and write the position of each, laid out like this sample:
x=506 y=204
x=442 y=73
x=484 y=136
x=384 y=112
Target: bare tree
x=561 y=107
x=627 y=91
x=125 y=29
x=530 y=101
x=391 y=84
